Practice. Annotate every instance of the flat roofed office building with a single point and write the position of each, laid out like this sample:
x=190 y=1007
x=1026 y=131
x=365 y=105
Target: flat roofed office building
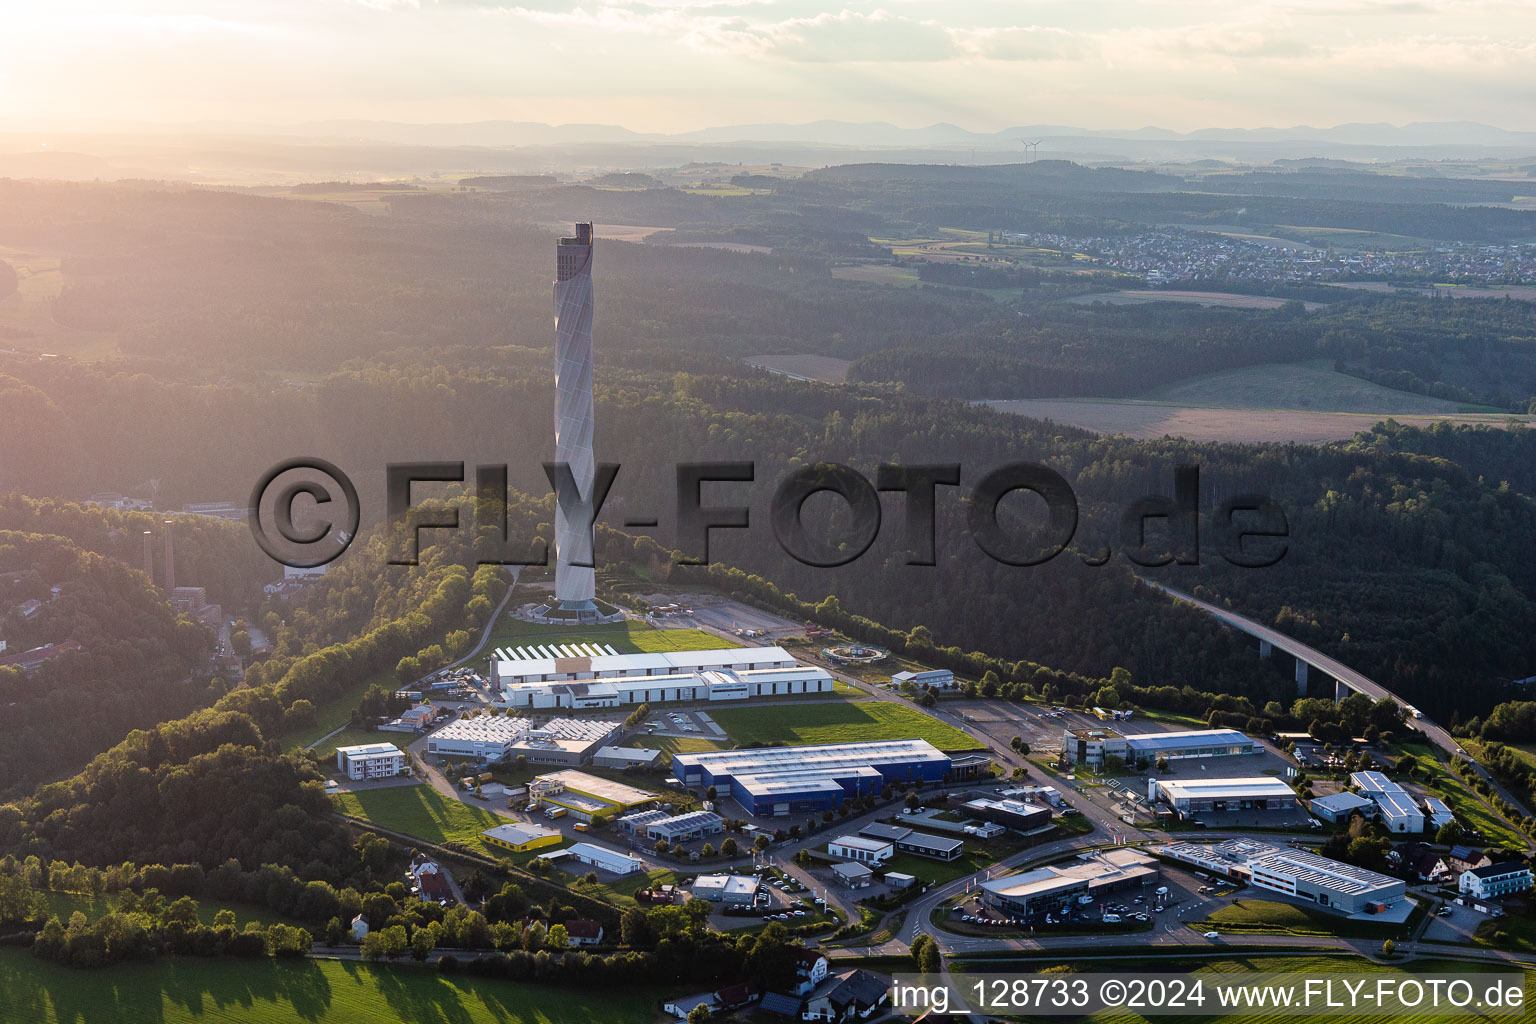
x=1196 y=796
x=911 y=841
x=861 y=849
x=1092 y=746
x=732 y=890
x=1015 y=814
x=371 y=761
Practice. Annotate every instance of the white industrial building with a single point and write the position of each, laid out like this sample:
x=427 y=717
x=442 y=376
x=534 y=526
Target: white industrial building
x=502 y=738
x=371 y=761
x=863 y=849
x=732 y=890
x=938 y=678
x=703 y=685
x=682 y=828
x=1216 y=796
x=1300 y=873
x=1399 y=812
x=626 y=757
x=598 y=857
x=1175 y=746
x=1339 y=807
x=1437 y=812
x=558 y=669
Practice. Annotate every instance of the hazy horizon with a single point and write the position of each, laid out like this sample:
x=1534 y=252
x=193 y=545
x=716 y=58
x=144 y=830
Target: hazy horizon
x=683 y=65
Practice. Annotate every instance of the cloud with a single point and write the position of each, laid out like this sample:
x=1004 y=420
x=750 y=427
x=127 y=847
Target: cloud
x=845 y=37
x=1028 y=43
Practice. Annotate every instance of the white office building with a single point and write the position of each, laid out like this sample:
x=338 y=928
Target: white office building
x=1494 y=880
x=863 y=849
x=371 y=761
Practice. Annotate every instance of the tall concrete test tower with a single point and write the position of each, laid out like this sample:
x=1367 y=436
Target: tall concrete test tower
x=575 y=585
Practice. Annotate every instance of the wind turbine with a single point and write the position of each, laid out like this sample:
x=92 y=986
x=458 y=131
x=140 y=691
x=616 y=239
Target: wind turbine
x=1032 y=148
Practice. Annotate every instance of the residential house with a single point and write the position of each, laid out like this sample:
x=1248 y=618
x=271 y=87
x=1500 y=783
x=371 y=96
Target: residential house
x=359 y=928
x=1418 y=861
x=1465 y=858
x=810 y=970
x=583 y=932
x=847 y=996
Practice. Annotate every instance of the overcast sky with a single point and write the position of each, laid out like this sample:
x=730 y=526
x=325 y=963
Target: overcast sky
x=674 y=65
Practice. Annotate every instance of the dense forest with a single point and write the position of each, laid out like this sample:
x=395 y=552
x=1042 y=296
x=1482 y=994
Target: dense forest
x=136 y=665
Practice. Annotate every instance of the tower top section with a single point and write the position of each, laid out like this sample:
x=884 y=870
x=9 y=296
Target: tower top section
x=574 y=254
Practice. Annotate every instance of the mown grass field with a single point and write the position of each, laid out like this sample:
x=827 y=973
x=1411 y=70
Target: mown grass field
x=838 y=722
x=1445 y=784
x=196 y=991
x=630 y=637
x=336 y=712
x=421 y=811
x=1256 y=916
x=358 y=737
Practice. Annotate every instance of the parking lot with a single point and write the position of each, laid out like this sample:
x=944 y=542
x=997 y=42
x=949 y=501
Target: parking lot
x=682 y=723
x=776 y=899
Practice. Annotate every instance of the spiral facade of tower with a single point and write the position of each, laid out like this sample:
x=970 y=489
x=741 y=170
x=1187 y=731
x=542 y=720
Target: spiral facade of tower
x=575 y=585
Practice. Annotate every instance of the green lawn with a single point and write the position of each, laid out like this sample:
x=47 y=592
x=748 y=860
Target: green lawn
x=838 y=722
x=1253 y=916
x=421 y=811
x=925 y=869
x=337 y=711
x=182 y=991
x=1448 y=786
x=630 y=637
x=357 y=737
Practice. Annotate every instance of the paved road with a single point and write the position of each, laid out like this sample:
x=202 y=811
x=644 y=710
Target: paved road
x=1351 y=678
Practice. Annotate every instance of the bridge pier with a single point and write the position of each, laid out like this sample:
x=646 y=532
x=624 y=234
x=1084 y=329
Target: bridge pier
x=1302 y=677
x=1265 y=649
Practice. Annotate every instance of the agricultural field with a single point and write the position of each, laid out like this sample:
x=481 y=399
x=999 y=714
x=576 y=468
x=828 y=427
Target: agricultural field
x=421 y=811
x=198 y=991
x=838 y=722
x=804 y=367
x=1225 y=300
x=878 y=273
x=1299 y=966
x=1309 y=386
x=1150 y=421
x=26 y=316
